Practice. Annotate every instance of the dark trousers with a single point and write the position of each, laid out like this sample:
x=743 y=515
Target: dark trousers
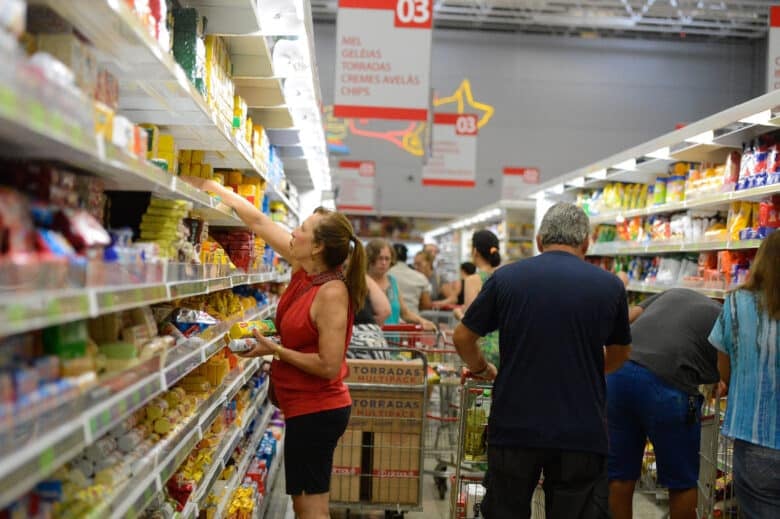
x=575 y=483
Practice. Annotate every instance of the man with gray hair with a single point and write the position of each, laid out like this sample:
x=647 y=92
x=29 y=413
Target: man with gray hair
x=563 y=324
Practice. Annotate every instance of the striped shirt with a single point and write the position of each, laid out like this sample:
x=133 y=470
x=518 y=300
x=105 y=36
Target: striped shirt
x=752 y=342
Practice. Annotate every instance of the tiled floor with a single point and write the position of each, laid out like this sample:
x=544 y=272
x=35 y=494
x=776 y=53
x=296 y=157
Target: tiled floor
x=645 y=506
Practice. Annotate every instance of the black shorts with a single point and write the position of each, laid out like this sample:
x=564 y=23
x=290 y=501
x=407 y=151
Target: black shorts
x=309 y=443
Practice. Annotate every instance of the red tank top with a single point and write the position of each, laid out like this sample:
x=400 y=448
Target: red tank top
x=298 y=392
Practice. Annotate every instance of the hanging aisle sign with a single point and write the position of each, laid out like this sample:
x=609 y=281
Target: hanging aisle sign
x=773 y=50
x=383 y=62
x=515 y=180
x=356 y=186
x=453 y=161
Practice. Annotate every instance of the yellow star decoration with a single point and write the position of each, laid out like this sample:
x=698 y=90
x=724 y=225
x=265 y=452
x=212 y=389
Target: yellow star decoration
x=412 y=140
x=463 y=98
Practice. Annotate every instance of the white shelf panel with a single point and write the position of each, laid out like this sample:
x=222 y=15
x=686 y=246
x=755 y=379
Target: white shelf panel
x=173 y=451
x=652 y=288
x=633 y=249
x=246 y=457
x=154 y=88
x=712 y=201
x=25 y=311
x=43 y=455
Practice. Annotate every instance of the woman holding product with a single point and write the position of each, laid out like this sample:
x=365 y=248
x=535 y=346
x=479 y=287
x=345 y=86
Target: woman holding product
x=747 y=335
x=380 y=257
x=314 y=319
x=485 y=255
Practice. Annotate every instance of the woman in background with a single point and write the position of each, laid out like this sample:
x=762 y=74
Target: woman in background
x=380 y=257
x=485 y=255
x=747 y=335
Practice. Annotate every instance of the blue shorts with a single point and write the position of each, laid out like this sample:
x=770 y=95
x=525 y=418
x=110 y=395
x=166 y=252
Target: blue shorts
x=642 y=406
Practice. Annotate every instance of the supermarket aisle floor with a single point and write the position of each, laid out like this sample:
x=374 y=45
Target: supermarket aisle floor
x=645 y=506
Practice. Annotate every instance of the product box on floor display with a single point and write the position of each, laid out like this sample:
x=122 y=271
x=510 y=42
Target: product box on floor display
x=395 y=471
x=347 y=462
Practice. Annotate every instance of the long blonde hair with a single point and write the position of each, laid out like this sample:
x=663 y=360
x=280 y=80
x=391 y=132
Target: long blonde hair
x=764 y=279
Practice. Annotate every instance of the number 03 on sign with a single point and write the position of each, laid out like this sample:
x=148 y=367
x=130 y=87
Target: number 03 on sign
x=383 y=62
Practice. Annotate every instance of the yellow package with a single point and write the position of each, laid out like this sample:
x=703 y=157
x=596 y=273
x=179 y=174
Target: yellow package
x=104 y=121
x=166 y=143
x=185 y=156
x=739 y=218
x=245 y=329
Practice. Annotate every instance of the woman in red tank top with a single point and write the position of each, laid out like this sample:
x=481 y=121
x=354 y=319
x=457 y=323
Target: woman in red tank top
x=314 y=319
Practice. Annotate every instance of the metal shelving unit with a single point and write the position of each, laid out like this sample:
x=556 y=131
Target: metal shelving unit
x=708 y=140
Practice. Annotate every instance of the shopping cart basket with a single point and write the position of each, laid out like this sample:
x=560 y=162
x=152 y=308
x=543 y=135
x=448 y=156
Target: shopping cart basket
x=468 y=491
x=378 y=462
x=441 y=420
x=716 y=468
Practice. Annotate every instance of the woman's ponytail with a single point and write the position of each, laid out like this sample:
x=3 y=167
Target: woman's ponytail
x=356 y=274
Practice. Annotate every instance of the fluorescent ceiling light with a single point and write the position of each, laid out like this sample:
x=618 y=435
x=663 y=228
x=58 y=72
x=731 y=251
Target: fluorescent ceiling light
x=702 y=138
x=660 y=153
x=759 y=118
x=626 y=165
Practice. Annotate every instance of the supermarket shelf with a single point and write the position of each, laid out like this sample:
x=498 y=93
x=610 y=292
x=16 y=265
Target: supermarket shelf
x=27 y=311
x=172 y=452
x=24 y=467
x=631 y=248
x=154 y=88
x=120 y=170
x=246 y=457
x=713 y=201
x=223 y=453
x=652 y=288
x=273 y=473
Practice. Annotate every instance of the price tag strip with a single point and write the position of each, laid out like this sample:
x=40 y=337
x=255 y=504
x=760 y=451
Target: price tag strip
x=38 y=309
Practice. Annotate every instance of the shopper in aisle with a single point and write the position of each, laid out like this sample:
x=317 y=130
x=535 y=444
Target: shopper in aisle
x=314 y=318
x=414 y=286
x=485 y=255
x=457 y=296
x=655 y=395
x=423 y=263
x=555 y=312
x=747 y=335
x=380 y=256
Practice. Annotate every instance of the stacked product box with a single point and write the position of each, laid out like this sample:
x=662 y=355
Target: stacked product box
x=385 y=435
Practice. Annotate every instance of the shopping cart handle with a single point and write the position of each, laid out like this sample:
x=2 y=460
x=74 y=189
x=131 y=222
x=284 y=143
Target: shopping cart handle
x=402 y=328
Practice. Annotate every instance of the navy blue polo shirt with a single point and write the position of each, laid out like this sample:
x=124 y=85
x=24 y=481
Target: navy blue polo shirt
x=555 y=313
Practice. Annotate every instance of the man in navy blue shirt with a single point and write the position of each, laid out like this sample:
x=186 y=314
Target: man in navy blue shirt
x=563 y=324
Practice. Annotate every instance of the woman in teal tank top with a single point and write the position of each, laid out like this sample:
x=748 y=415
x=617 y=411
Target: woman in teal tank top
x=380 y=258
x=486 y=257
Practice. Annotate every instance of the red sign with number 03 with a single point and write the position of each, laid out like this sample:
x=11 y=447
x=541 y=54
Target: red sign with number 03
x=383 y=59
x=453 y=162
x=413 y=14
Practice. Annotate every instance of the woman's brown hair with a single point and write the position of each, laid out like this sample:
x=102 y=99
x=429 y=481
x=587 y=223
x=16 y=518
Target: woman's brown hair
x=374 y=249
x=764 y=279
x=337 y=236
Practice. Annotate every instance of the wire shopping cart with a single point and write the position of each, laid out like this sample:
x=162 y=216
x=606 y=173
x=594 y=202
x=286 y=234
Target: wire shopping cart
x=716 y=468
x=467 y=489
x=441 y=420
x=378 y=461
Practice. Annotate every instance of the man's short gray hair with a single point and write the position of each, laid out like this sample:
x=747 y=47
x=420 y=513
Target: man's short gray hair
x=564 y=224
